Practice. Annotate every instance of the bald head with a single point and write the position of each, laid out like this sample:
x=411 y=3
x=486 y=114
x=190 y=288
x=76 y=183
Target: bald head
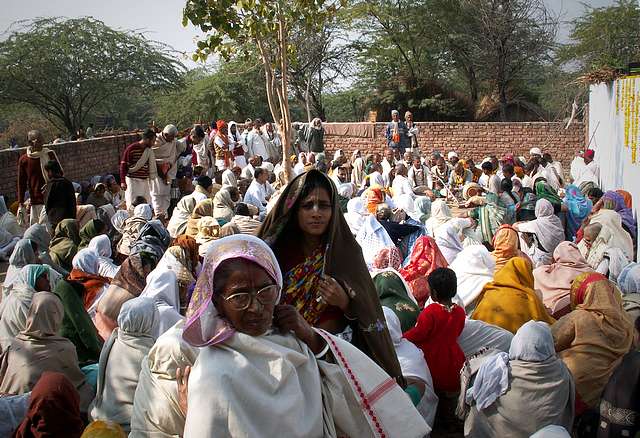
x=35 y=138
x=592 y=231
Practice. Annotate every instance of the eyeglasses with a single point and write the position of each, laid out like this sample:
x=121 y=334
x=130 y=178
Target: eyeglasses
x=265 y=296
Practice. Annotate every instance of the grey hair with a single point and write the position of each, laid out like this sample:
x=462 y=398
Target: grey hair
x=170 y=130
x=395 y=112
x=33 y=135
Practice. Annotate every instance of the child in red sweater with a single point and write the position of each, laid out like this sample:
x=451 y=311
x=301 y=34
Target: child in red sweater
x=437 y=329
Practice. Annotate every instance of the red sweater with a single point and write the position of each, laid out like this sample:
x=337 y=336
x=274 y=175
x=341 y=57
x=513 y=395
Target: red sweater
x=436 y=334
x=130 y=157
x=30 y=179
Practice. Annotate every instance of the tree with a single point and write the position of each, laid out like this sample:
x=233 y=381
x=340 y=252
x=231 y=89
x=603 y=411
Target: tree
x=501 y=40
x=605 y=37
x=67 y=68
x=267 y=26
x=228 y=93
x=322 y=57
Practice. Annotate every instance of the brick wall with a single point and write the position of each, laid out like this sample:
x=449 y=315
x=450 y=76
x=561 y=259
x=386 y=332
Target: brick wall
x=98 y=156
x=80 y=159
x=477 y=140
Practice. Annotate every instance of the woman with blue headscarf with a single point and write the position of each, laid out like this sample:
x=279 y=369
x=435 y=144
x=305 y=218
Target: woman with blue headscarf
x=14 y=308
x=578 y=208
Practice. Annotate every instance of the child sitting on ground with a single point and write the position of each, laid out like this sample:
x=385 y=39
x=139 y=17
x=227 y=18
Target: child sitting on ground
x=437 y=329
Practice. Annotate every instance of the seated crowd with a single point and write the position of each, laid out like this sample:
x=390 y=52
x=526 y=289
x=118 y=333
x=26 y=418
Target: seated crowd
x=215 y=288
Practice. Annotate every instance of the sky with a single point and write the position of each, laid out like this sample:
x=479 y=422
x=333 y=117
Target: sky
x=161 y=19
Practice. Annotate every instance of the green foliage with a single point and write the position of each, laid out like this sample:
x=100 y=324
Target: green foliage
x=233 y=92
x=605 y=37
x=346 y=106
x=66 y=69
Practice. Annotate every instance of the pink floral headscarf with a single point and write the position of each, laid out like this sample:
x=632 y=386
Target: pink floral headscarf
x=204 y=325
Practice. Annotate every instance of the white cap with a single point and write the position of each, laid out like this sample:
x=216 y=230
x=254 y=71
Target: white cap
x=451 y=154
x=267 y=166
x=170 y=129
x=535 y=151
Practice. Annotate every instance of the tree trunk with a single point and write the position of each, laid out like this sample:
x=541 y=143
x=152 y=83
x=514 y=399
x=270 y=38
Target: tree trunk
x=503 y=103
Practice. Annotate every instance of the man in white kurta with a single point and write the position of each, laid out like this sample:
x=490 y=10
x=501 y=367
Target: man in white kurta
x=401 y=184
x=590 y=172
x=257 y=142
x=259 y=191
x=166 y=150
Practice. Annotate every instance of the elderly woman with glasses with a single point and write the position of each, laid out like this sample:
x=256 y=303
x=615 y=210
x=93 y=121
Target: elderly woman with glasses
x=263 y=361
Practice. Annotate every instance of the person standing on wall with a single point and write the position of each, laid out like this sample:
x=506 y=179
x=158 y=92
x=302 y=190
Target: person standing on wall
x=412 y=133
x=396 y=134
x=32 y=177
x=166 y=150
x=138 y=167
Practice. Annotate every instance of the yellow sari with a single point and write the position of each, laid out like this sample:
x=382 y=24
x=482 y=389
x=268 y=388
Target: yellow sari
x=509 y=300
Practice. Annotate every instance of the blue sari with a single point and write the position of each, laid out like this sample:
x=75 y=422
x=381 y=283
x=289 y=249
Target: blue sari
x=578 y=208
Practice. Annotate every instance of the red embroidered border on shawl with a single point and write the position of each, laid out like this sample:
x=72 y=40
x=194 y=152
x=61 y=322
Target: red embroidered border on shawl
x=366 y=401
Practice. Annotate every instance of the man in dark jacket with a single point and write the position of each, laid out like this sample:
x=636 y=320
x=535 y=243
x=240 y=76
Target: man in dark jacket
x=60 y=197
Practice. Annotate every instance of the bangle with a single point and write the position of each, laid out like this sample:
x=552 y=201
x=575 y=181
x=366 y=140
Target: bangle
x=324 y=351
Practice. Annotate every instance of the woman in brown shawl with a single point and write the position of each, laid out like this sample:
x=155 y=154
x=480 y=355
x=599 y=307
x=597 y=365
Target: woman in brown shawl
x=325 y=276
x=593 y=338
x=203 y=208
x=54 y=409
x=127 y=284
x=38 y=348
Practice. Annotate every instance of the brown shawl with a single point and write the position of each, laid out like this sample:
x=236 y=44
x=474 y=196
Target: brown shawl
x=593 y=338
x=344 y=262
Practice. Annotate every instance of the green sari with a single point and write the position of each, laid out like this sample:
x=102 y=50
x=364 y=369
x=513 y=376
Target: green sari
x=88 y=232
x=394 y=295
x=64 y=245
x=76 y=323
x=544 y=191
x=490 y=217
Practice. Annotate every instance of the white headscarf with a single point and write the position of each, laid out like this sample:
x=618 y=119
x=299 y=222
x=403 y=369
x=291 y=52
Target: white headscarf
x=474 y=267
x=22 y=256
x=355 y=214
x=144 y=211
x=620 y=237
x=121 y=359
x=547 y=226
x=162 y=287
x=448 y=240
x=86 y=260
x=345 y=190
x=532 y=342
x=118 y=220
x=101 y=245
x=440 y=214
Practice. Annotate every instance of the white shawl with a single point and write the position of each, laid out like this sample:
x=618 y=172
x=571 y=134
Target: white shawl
x=156 y=408
x=120 y=361
x=162 y=287
x=474 y=267
x=314 y=398
x=43 y=153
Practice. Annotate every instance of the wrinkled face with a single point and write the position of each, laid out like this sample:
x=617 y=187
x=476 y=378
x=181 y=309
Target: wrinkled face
x=408 y=117
x=377 y=158
x=314 y=213
x=42 y=283
x=245 y=277
x=441 y=164
x=169 y=137
x=454 y=160
x=395 y=117
x=416 y=163
x=407 y=157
